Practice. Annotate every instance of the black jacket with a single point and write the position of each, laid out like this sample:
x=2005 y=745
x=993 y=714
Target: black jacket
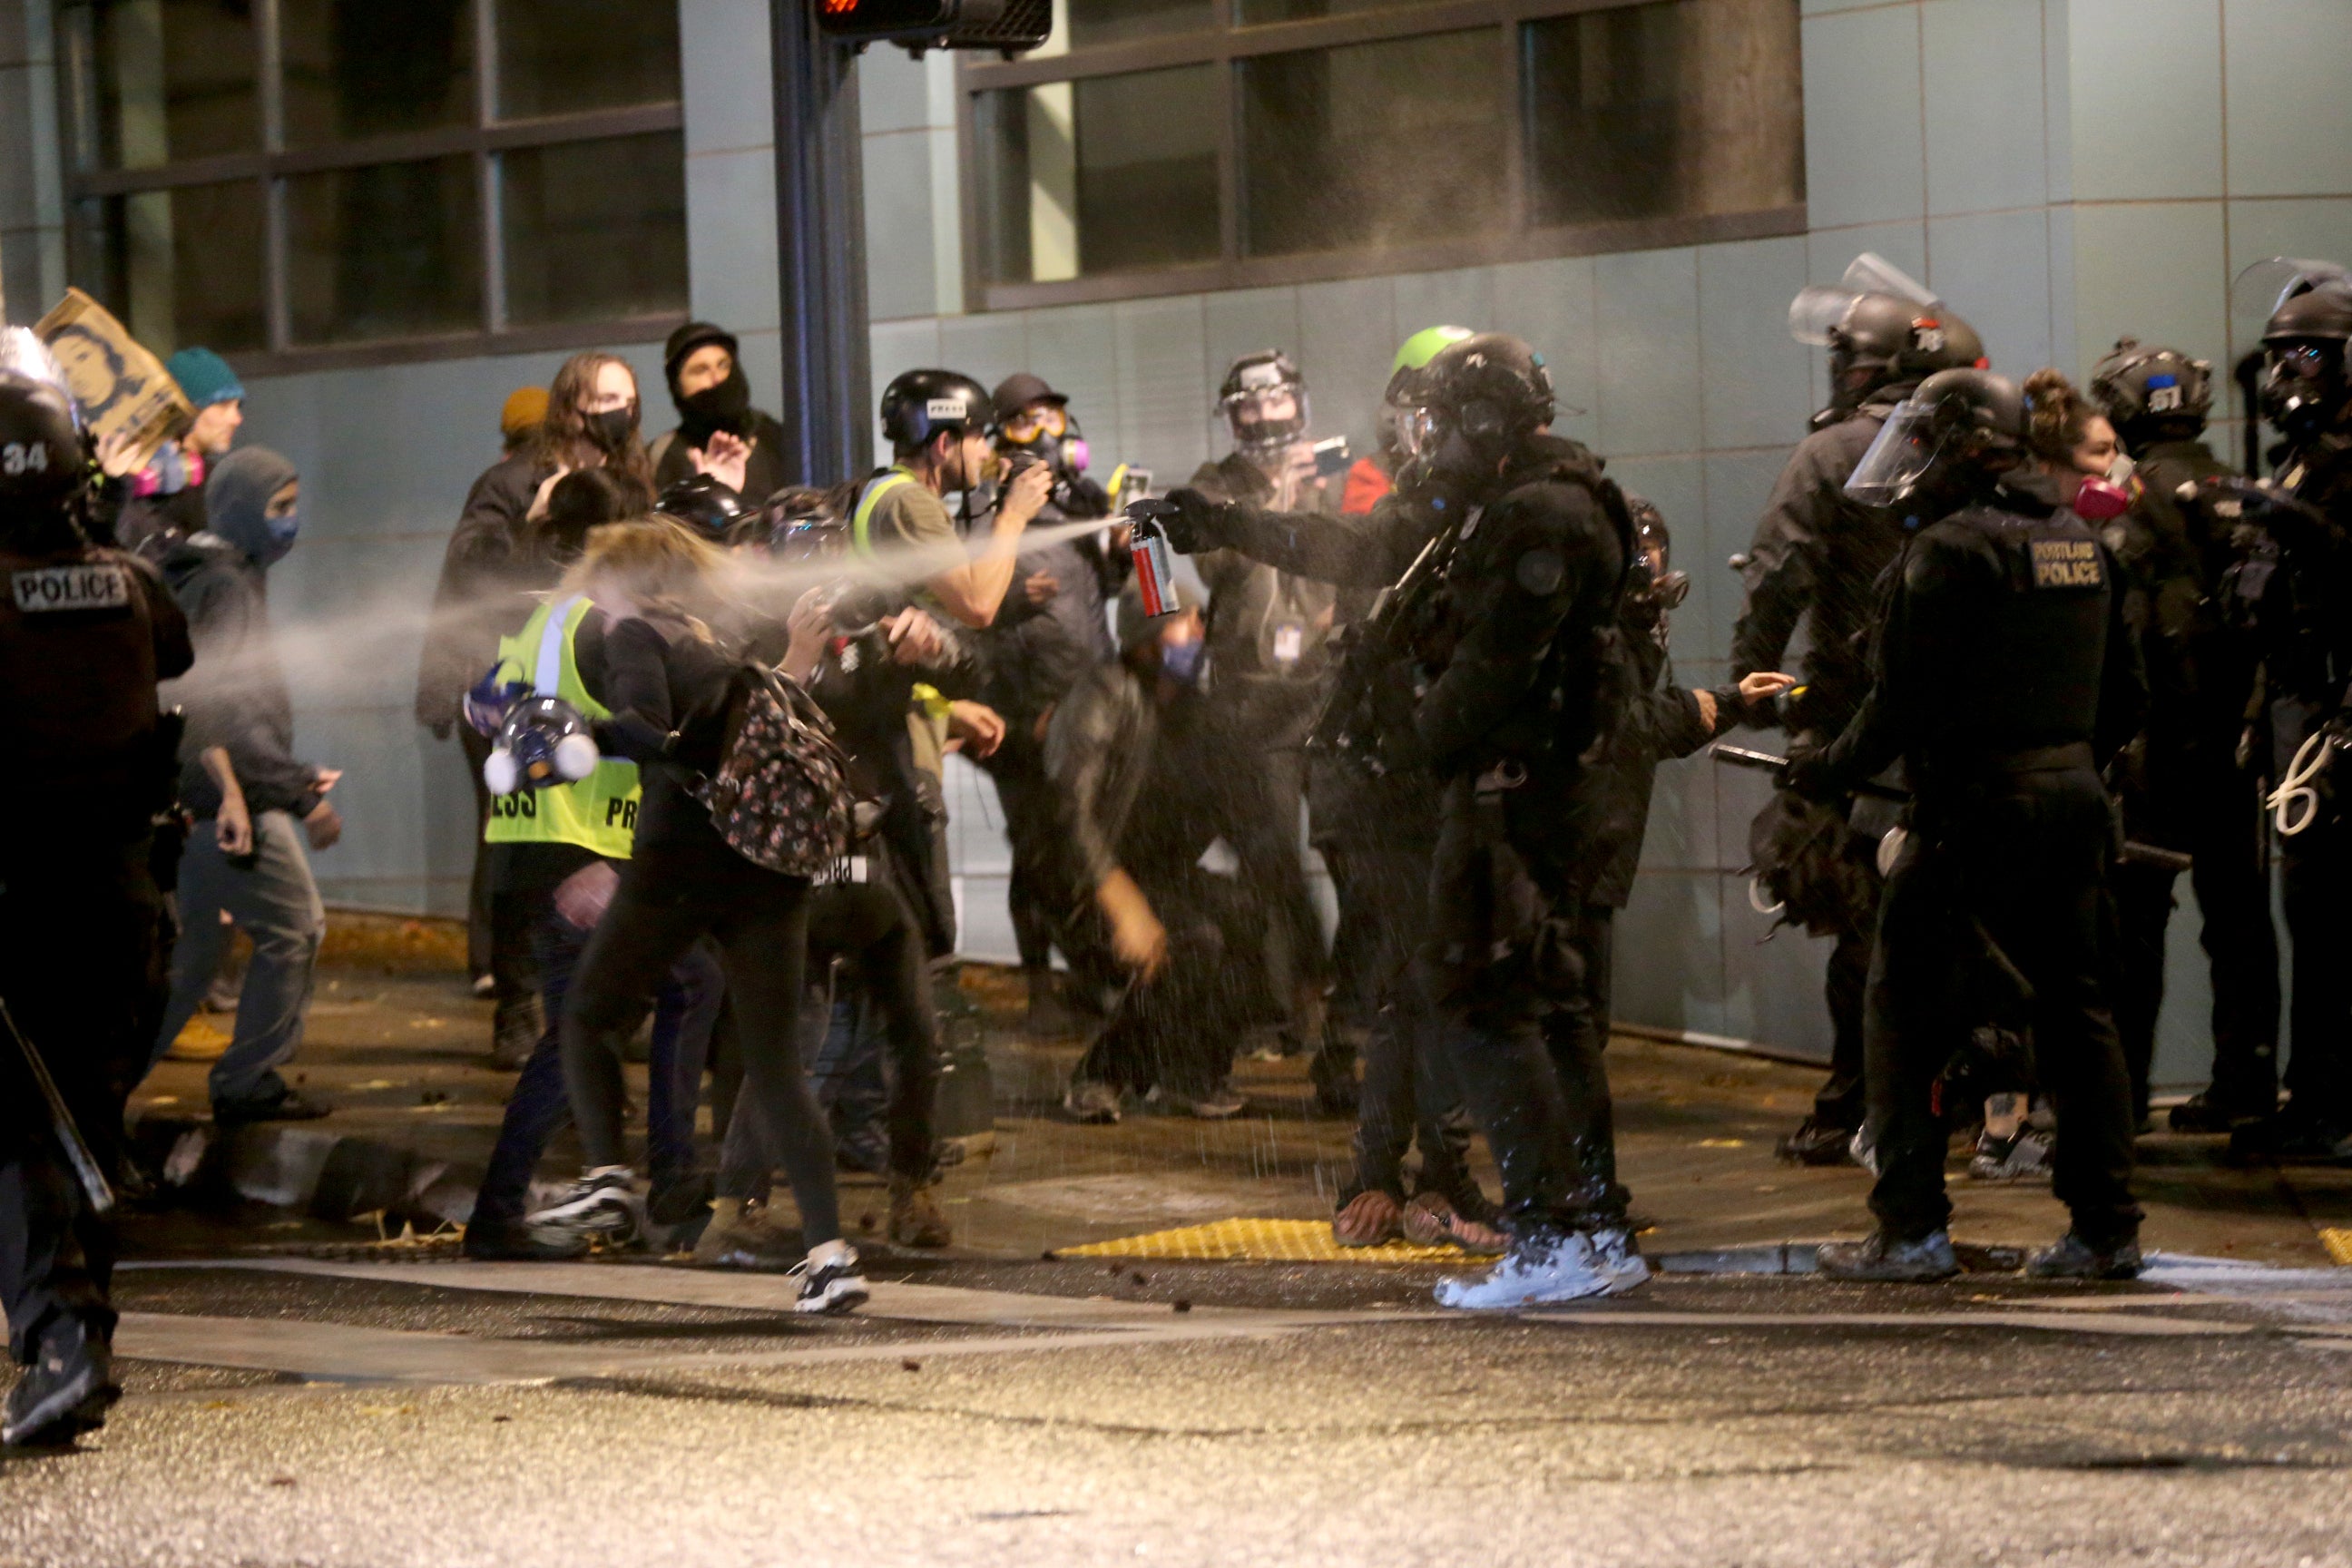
x=487 y=574
x=1816 y=559
x=1659 y=721
x=235 y=695
x=1269 y=628
x=763 y=473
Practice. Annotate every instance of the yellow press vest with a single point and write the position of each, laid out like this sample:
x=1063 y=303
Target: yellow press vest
x=598 y=813
x=861 y=537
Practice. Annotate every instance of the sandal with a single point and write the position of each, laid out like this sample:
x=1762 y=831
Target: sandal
x=1370 y=1219
x=1430 y=1220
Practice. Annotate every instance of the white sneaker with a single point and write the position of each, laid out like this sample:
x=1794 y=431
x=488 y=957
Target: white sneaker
x=1548 y=1268
x=829 y=1279
x=603 y=1202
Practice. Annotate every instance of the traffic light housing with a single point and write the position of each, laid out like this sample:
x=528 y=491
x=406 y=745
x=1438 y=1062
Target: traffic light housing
x=1007 y=25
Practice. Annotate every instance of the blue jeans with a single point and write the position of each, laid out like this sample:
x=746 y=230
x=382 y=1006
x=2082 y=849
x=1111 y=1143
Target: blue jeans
x=274 y=901
x=684 y=1011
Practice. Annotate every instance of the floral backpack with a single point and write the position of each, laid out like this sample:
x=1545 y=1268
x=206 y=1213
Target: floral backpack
x=780 y=795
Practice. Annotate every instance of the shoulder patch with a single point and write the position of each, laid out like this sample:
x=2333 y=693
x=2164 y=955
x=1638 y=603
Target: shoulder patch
x=1541 y=571
x=2067 y=564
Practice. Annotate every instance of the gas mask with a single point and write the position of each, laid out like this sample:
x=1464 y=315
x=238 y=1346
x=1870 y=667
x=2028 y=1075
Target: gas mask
x=2304 y=388
x=544 y=742
x=1267 y=420
x=1050 y=434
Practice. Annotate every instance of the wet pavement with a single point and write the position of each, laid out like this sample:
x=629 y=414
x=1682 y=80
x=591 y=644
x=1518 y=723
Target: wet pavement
x=299 y=1395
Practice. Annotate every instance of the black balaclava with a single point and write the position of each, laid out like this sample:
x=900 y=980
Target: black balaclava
x=725 y=406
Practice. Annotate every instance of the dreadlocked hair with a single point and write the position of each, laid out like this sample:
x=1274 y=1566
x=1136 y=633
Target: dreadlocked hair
x=2057 y=416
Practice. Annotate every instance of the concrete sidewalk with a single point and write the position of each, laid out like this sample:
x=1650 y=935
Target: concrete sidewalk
x=403 y=1051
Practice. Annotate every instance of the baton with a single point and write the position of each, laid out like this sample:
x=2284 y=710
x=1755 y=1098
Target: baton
x=1765 y=762
x=61 y=1122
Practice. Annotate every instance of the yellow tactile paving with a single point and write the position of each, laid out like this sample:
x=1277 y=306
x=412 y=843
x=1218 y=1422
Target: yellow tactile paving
x=1259 y=1241
x=2338 y=1243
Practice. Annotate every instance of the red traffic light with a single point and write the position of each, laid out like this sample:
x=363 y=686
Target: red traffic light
x=1007 y=25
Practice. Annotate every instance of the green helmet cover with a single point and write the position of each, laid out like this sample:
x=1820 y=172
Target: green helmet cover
x=1423 y=345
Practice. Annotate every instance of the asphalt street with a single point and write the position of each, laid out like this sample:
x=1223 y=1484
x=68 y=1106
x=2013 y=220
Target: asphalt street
x=287 y=1411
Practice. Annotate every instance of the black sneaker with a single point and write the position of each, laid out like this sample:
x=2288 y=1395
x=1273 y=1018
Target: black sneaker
x=2201 y=1112
x=1884 y=1260
x=602 y=1204
x=1817 y=1143
x=65 y=1392
x=832 y=1285
x=516 y=1241
x=291 y=1106
x=2072 y=1257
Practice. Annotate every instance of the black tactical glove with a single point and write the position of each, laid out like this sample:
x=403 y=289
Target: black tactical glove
x=1809 y=774
x=1197 y=523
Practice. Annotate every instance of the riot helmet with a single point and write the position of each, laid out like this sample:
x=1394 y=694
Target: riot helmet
x=805 y=527
x=1658 y=587
x=2304 y=388
x=1473 y=401
x=1883 y=327
x=705 y=503
x=1395 y=403
x=1947 y=442
x=923 y=404
x=1265 y=403
x=2152 y=394
x=42 y=465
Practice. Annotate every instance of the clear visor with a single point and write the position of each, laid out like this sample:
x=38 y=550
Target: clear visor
x=2263 y=287
x=1871 y=273
x=1416 y=431
x=22 y=350
x=1267 y=416
x=1907 y=448
x=1820 y=309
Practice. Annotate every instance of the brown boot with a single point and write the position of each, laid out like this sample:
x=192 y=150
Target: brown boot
x=914 y=1217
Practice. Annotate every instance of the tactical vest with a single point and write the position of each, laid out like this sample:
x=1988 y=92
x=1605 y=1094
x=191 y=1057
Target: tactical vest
x=598 y=813
x=77 y=689
x=2034 y=653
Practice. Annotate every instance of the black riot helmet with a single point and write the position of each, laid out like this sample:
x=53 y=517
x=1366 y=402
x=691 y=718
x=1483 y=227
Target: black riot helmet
x=1944 y=445
x=1883 y=327
x=1473 y=401
x=1659 y=588
x=806 y=524
x=705 y=504
x=41 y=464
x=1264 y=403
x=2152 y=394
x=922 y=404
x=2304 y=388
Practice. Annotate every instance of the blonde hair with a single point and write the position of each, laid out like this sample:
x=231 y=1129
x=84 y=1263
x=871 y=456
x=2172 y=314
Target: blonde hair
x=663 y=566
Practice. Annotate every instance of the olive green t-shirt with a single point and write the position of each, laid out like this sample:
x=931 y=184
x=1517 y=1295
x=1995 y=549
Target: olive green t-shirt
x=909 y=517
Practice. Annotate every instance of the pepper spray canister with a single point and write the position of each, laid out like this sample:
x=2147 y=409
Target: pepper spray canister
x=1155 y=564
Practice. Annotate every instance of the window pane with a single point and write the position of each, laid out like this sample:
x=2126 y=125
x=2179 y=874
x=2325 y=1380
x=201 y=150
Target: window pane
x=1094 y=22
x=1250 y=13
x=159 y=81
x=1373 y=145
x=360 y=68
x=594 y=229
x=559 y=55
x=179 y=267
x=1680 y=109
x=387 y=252
x=1108 y=175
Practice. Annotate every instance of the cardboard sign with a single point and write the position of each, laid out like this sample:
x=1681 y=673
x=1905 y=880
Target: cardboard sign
x=122 y=389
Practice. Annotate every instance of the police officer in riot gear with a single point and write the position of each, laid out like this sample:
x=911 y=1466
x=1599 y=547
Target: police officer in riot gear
x=2180 y=783
x=2003 y=675
x=2293 y=591
x=1816 y=557
x=1493 y=664
x=86 y=633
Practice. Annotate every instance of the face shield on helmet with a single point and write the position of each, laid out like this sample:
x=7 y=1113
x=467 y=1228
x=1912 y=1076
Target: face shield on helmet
x=2302 y=382
x=1908 y=448
x=22 y=350
x=1266 y=406
x=1819 y=311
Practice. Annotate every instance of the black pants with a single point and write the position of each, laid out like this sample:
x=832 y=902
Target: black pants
x=1264 y=791
x=2314 y=865
x=1409 y=1090
x=84 y=953
x=1018 y=770
x=1178 y=1028
x=667 y=900
x=1502 y=972
x=499 y=936
x=878 y=944
x=2216 y=822
x=2023 y=860
x=1838 y=1103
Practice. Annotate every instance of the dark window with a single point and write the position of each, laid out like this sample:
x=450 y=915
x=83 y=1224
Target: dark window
x=391 y=250
x=1159 y=145
x=594 y=229
x=1106 y=175
x=1373 y=145
x=559 y=57
x=181 y=265
x=360 y=68
x=366 y=190
x=1662 y=111
x=161 y=81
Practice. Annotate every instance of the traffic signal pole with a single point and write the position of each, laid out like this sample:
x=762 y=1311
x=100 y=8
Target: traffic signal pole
x=828 y=404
